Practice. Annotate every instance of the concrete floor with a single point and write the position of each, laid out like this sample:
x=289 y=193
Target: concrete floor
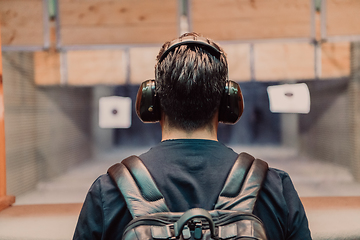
x=34 y=215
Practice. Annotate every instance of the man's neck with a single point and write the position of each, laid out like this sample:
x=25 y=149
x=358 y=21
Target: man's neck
x=197 y=134
x=208 y=132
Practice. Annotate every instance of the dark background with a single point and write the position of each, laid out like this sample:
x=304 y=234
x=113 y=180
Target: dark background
x=256 y=126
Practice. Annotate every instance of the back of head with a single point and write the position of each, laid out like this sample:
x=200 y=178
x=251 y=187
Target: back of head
x=189 y=82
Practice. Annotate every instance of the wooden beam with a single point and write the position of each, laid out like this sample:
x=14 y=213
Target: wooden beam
x=342 y=17
x=22 y=22
x=288 y=61
x=117 y=22
x=244 y=19
x=5 y=201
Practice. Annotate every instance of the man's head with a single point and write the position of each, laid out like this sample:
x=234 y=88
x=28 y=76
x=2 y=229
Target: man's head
x=190 y=82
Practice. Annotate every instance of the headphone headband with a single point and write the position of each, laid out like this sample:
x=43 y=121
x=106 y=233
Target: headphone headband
x=192 y=40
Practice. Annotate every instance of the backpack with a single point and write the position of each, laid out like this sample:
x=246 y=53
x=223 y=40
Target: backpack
x=231 y=218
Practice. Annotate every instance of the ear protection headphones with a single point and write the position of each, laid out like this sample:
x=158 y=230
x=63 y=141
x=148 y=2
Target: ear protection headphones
x=148 y=103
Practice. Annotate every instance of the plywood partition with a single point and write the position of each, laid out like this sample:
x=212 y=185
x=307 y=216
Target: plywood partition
x=95 y=67
x=80 y=68
x=117 y=22
x=5 y=201
x=142 y=64
x=262 y=62
x=238 y=58
x=335 y=59
x=245 y=19
x=290 y=61
x=342 y=17
x=47 y=68
x=2 y=138
x=22 y=22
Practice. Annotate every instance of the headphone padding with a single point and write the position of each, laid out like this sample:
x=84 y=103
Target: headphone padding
x=232 y=103
x=147 y=103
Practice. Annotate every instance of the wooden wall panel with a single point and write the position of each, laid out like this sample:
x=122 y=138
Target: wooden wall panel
x=47 y=68
x=246 y=19
x=290 y=61
x=335 y=59
x=96 y=67
x=142 y=64
x=118 y=22
x=22 y=22
x=342 y=17
x=238 y=57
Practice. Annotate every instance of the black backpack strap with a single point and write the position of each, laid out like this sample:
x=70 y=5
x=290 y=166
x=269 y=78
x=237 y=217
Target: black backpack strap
x=243 y=184
x=138 y=187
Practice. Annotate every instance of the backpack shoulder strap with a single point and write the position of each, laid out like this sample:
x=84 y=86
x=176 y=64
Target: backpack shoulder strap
x=243 y=184
x=137 y=187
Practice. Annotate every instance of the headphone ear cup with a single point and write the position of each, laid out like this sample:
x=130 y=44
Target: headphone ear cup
x=232 y=103
x=147 y=103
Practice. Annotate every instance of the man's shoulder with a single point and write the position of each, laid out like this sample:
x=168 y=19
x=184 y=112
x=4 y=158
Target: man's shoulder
x=277 y=178
x=103 y=184
x=278 y=172
x=277 y=189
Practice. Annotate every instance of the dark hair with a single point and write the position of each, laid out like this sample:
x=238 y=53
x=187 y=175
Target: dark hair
x=190 y=82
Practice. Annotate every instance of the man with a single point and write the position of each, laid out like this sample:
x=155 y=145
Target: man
x=190 y=166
